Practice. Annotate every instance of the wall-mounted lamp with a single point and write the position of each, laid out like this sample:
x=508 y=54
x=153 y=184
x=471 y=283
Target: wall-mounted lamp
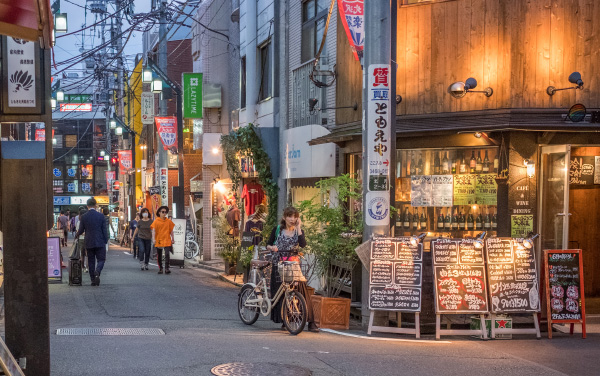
x=574 y=78
x=530 y=167
x=113 y=124
x=215 y=150
x=415 y=240
x=157 y=85
x=119 y=131
x=312 y=106
x=60 y=22
x=479 y=240
x=528 y=242
x=60 y=96
x=460 y=89
x=146 y=75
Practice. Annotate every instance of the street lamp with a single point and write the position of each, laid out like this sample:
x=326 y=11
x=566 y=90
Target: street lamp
x=106 y=157
x=157 y=85
x=60 y=96
x=119 y=131
x=147 y=75
x=60 y=22
x=113 y=124
x=53 y=103
x=102 y=153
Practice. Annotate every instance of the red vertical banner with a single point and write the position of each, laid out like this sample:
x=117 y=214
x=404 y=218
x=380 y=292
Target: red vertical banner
x=125 y=160
x=110 y=178
x=167 y=129
x=352 y=13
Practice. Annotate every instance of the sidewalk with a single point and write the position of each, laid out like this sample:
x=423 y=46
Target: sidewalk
x=218 y=267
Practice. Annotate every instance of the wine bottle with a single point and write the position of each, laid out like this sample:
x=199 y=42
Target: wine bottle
x=478 y=163
x=447 y=221
x=454 y=161
x=445 y=164
x=496 y=163
x=463 y=166
x=470 y=222
x=415 y=219
x=406 y=220
x=479 y=222
x=462 y=222
x=472 y=162
x=420 y=165
x=486 y=163
x=440 y=221
x=423 y=220
x=436 y=164
x=487 y=222
x=455 y=221
x=413 y=166
x=399 y=218
x=494 y=221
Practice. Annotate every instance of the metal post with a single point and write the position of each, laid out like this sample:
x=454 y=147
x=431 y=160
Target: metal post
x=162 y=64
x=180 y=198
x=376 y=168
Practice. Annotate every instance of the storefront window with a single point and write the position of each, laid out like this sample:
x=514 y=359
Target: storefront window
x=446 y=191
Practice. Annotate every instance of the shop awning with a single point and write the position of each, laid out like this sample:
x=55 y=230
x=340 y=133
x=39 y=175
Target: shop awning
x=523 y=119
x=27 y=19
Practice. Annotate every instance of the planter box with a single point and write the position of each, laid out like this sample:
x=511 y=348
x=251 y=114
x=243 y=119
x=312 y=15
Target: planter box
x=331 y=313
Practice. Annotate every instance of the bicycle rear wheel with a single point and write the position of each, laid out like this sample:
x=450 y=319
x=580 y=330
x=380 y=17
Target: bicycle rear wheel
x=191 y=249
x=248 y=315
x=294 y=312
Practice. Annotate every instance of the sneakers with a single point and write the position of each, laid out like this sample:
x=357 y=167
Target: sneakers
x=142 y=267
x=167 y=271
x=160 y=271
x=145 y=266
x=312 y=327
x=97 y=279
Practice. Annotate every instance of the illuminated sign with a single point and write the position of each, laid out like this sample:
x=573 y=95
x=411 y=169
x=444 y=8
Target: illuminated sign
x=82 y=107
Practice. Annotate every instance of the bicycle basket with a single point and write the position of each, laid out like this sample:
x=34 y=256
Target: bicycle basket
x=290 y=271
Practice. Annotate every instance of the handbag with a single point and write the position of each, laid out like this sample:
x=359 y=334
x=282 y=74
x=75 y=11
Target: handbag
x=75 y=253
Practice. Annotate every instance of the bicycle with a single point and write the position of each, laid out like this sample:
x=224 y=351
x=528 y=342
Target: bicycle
x=254 y=298
x=191 y=249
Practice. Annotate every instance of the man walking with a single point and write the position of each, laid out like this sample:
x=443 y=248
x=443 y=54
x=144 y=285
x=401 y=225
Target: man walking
x=96 y=238
x=63 y=224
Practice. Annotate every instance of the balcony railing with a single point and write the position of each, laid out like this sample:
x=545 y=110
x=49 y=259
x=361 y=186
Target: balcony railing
x=303 y=89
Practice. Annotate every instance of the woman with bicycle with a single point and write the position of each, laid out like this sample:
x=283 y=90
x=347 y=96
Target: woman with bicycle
x=284 y=242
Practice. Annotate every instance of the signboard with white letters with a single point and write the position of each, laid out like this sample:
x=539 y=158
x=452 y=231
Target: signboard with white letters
x=147 y=108
x=21 y=72
x=164 y=187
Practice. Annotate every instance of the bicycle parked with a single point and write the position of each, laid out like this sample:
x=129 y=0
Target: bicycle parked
x=191 y=249
x=254 y=297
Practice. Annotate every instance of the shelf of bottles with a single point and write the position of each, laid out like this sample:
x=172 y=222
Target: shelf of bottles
x=461 y=220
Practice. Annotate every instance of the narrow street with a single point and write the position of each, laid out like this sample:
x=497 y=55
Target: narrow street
x=197 y=313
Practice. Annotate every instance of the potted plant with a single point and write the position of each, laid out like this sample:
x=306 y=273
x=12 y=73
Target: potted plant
x=333 y=231
x=229 y=252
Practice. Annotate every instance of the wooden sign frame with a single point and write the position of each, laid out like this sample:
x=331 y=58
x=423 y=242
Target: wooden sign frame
x=548 y=300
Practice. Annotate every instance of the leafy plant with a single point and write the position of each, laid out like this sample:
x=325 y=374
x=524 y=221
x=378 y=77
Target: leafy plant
x=228 y=253
x=333 y=230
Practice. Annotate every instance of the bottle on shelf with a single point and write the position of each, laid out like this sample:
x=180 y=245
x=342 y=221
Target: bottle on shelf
x=496 y=163
x=495 y=221
x=406 y=219
x=448 y=220
x=479 y=222
x=486 y=163
x=415 y=219
x=413 y=166
x=399 y=218
x=487 y=222
x=470 y=222
x=472 y=162
x=423 y=220
x=462 y=169
x=437 y=166
x=440 y=221
x=462 y=221
x=455 y=221
x=478 y=163
x=454 y=162
x=445 y=164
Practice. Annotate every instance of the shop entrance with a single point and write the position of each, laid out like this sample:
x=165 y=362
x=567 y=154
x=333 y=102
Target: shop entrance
x=570 y=209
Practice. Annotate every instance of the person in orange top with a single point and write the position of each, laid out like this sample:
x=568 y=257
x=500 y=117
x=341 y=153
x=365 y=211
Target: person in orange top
x=162 y=237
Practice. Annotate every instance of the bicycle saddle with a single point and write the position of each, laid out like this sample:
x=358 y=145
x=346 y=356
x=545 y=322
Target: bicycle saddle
x=259 y=264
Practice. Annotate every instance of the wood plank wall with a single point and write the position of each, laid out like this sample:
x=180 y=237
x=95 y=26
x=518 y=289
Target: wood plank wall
x=516 y=47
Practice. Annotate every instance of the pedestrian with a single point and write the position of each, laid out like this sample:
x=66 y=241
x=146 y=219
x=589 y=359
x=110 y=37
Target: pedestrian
x=143 y=233
x=162 y=237
x=93 y=224
x=72 y=225
x=109 y=226
x=132 y=227
x=81 y=240
x=63 y=224
x=284 y=242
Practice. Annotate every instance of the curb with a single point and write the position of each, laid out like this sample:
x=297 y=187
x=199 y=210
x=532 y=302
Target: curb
x=223 y=278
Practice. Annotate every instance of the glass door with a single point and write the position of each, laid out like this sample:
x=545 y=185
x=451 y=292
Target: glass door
x=554 y=203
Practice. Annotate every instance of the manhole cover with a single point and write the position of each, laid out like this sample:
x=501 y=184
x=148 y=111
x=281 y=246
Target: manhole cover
x=110 y=332
x=259 y=369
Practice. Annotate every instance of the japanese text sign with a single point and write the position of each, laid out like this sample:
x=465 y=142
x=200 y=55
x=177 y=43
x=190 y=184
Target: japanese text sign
x=167 y=129
x=352 y=14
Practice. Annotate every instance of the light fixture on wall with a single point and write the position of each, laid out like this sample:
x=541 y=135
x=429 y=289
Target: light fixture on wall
x=157 y=85
x=312 y=106
x=528 y=242
x=60 y=22
x=60 y=96
x=415 y=240
x=479 y=240
x=574 y=78
x=460 y=89
x=53 y=103
x=119 y=131
x=147 y=75
x=113 y=124
x=530 y=167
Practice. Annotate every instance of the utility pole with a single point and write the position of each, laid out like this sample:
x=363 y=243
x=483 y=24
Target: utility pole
x=106 y=97
x=162 y=107
x=378 y=128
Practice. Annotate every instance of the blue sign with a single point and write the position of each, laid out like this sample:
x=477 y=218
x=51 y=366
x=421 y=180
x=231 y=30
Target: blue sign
x=71 y=187
x=86 y=187
x=57 y=172
x=71 y=172
x=62 y=200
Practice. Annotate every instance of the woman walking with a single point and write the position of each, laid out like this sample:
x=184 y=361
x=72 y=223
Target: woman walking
x=143 y=234
x=162 y=236
x=284 y=242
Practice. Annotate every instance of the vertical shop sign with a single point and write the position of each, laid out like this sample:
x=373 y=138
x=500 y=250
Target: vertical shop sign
x=110 y=177
x=155 y=196
x=125 y=160
x=352 y=14
x=54 y=265
x=164 y=186
x=147 y=110
x=192 y=95
x=21 y=72
x=167 y=129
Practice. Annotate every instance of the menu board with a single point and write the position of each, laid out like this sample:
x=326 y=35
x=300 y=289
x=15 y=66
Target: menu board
x=581 y=171
x=442 y=190
x=464 y=189
x=512 y=276
x=421 y=190
x=486 y=189
x=395 y=275
x=459 y=273
x=54 y=259
x=564 y=277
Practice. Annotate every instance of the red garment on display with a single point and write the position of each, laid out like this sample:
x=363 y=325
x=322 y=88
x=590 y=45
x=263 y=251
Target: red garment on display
x=253 y=195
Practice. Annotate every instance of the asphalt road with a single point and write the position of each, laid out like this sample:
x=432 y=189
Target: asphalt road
x=198 y=314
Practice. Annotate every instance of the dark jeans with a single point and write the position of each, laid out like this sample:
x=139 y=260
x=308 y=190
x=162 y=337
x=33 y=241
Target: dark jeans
x=135 y=247
x=145 y=246
x=66 y=237
x=167 y=251
x=98 y=253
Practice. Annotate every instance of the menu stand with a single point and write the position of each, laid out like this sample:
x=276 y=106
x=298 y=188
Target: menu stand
x=387 y=329
x=459 y=332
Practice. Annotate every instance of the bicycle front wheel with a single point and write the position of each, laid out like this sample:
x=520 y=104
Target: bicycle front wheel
x=294 y=312
x=248 y=315
x=191 y=249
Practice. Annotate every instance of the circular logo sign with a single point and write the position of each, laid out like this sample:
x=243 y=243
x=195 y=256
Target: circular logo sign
x=577 y=113
x=378 y=208
x=116 y=186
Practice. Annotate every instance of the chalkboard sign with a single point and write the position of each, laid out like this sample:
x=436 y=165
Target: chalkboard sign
x=512 y=276
x=460 y=278
x=581 y=171
x=395 y=275
x=564 y=285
